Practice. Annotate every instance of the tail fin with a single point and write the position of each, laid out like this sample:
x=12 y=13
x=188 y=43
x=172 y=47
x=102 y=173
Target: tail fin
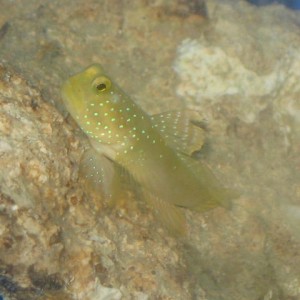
x=213 y=193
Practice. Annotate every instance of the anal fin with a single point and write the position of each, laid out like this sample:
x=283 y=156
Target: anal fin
x=170 y=216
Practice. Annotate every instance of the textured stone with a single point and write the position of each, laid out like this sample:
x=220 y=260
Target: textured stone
x=239 y=67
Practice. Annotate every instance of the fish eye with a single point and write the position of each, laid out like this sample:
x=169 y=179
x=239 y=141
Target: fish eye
x=102 y=84
x=101 y=87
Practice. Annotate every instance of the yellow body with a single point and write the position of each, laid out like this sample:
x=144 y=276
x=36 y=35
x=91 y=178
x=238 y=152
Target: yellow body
x=155 y=150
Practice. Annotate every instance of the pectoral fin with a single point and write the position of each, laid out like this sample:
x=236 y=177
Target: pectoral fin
x=104 y=177
x=98 y=174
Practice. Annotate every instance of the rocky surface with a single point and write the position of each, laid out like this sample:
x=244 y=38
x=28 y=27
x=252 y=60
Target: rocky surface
x=235 y=63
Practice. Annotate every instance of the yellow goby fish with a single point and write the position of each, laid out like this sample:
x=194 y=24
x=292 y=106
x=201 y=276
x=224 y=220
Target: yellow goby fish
x=154 y=150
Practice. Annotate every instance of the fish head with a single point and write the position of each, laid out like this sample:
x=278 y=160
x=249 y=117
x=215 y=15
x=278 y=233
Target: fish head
x=98 y=105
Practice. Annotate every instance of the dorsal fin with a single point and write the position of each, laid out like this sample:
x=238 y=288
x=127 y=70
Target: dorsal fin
x=181 y=130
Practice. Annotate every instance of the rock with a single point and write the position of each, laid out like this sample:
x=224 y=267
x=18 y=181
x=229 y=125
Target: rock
x=235 y=63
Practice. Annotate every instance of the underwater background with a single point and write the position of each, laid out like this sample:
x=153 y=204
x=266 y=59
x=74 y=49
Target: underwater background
x=236 y=63
x=293 y=4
